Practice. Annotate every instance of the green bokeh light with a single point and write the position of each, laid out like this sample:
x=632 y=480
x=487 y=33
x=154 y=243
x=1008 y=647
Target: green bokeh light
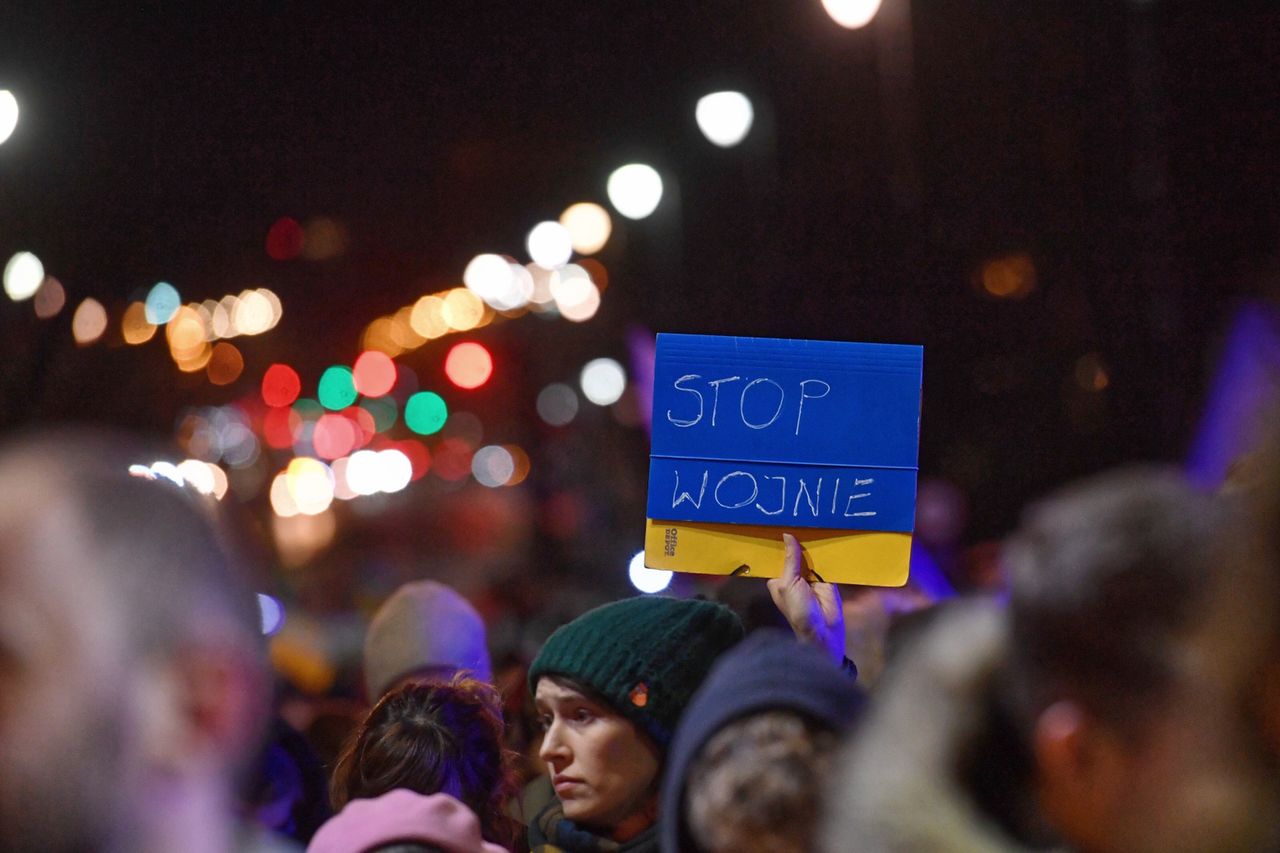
x=383 y=410
x=425 y=413
x=308 y=409
x=337 y=388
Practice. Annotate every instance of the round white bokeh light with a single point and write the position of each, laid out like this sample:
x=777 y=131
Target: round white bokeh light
x=851 y=14
x=22 y=276
x=550 y=245
x=603 y=380
x=646 y=579
x=635 y=190
x=8 y=115
x=724 y=117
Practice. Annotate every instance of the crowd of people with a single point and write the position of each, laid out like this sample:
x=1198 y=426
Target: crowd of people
x=1121 y=694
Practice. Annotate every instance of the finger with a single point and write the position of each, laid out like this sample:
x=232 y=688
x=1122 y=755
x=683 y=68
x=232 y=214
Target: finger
x=792 y=560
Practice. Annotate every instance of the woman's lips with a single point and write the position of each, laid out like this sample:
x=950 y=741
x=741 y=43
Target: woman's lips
x=565 y=783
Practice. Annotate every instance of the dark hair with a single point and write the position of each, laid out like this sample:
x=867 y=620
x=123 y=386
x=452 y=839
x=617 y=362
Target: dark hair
x=1107 y=579
x=433 y=738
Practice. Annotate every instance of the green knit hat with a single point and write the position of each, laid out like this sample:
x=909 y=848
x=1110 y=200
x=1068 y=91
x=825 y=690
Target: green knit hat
x=645 y=656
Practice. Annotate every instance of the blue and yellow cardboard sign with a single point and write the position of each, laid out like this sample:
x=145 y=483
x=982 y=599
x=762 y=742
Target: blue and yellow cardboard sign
x=753 y=436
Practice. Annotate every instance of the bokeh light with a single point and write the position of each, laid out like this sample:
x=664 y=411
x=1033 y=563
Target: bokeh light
x=589 y=226
x=520 y=464
x=337 y=388
x=377 y=336
x=419 y=456
x=1010 y=276
x=382 y=411
x=281 y=500
x=488 y=276
x=22 y=276
x=724 y=117
x=225 y=364
x=427 y=317
x=89 y=322
x=451 y=461
x=425 y=413
x=271 y=612
x=299 y=538
x=645 y=579
x=557 y=404
x=603 y=380
x=468 y=365
x=162 y=303
x=635 y=190
x=280 y=385
x=851 y=14
x=8 y=115
x=284 y=239
x=374 y=373
x=1091 y=373
x=550 y=245
x=134 y=326
x=50 y=298
x=310 y=484
x=576 y=296
x=462 y=309
x=278 y=427
x=492 y=466
x=362 y=472
x=323 y=238
x=254 y=313
x=198 y=474
x=394 y=470
x=334 y=436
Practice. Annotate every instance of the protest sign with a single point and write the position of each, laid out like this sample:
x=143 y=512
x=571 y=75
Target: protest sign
x=753 y=436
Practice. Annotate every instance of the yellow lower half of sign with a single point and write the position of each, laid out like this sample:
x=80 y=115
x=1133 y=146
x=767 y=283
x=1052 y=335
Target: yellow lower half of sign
x=838 y=556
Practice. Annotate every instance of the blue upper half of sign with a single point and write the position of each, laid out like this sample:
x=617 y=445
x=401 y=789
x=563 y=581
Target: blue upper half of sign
x=758 y=409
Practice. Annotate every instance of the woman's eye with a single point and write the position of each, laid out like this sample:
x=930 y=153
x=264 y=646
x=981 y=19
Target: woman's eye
x=582 y=715
x=544 y=722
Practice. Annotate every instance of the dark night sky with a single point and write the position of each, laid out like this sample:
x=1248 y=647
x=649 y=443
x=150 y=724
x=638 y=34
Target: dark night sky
x=1127 y=148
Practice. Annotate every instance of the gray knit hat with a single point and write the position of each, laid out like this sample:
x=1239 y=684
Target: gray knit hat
x=423 y=625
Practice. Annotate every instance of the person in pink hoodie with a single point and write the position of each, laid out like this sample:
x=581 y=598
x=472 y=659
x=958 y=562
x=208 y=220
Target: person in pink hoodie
x=402 y=820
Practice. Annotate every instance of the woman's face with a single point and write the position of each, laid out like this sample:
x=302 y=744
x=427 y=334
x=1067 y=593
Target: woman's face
x=603 y=769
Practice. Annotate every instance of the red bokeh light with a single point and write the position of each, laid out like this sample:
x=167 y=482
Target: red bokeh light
x=284 y=239
x=374 y=373
x=278 y=426
x=280 y=385
x=452 y=460
x=468 y=365
x=364 y=423
x=418 y=455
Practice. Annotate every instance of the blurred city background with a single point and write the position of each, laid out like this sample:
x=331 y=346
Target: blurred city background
x=389 y=276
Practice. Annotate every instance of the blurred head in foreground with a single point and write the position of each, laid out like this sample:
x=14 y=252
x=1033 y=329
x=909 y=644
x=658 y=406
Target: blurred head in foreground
x=1111 y=705
x=754 y=749
x=132 y=686
x=433 y=738
x=1139 y=611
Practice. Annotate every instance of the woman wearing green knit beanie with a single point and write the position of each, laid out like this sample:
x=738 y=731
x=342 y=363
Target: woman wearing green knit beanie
x=610 y=687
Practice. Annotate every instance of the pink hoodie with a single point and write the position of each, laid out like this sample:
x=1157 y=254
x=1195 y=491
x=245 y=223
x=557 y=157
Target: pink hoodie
x=402 y=815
